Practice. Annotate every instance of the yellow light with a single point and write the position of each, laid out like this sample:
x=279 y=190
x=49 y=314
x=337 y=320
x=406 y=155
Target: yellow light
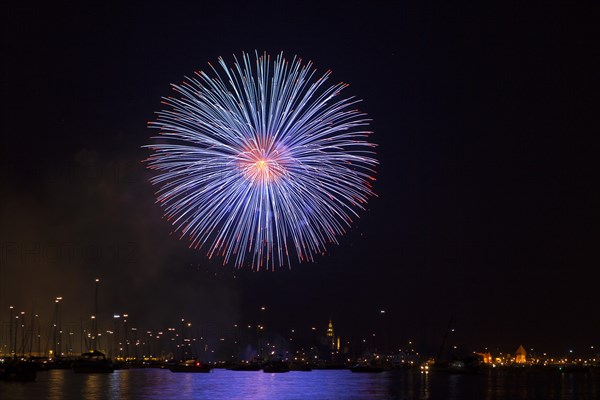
x=260 y=166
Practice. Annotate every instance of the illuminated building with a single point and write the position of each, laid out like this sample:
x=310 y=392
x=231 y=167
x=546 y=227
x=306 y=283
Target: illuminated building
x=520 y=355
x=333 y=342
x=330 y=331
x=486 y=357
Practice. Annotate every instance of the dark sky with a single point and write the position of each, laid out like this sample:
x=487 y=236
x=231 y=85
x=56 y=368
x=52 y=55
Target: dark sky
x=474 y=215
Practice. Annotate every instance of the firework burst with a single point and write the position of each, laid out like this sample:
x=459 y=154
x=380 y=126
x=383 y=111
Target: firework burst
x=262 y=162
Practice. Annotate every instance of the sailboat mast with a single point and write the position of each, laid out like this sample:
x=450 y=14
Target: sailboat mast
x=95 y=318
x=444 y=340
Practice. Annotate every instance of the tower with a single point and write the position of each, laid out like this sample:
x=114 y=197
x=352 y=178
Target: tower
x=330 y=336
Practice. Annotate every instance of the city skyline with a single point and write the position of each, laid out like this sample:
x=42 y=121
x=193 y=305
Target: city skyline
x=121 y=337
x=46 y=333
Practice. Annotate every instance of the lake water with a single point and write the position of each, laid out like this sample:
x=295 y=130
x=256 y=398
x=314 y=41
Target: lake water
x=340 y=384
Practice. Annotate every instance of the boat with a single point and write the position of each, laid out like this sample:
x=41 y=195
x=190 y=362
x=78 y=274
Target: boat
x=276 y=366
x=246 y=367
x=329 y=366
x=190 y=365
x=59 y=363
x=15 y=370
x=93 y=362
x=305 y=367
x=456 y=366
x=122 y=365
x=366 y=368
x=470 y=365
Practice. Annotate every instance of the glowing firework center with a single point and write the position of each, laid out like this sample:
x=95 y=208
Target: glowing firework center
x=262 y=166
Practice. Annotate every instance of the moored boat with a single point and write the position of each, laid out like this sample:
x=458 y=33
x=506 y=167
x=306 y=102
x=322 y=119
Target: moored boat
x=366 y=368
x=276 y=366
x=469 y=365
x=15 y=370
x=190 y=365
x=93 y=362
x=246 y=367
x=305 y=367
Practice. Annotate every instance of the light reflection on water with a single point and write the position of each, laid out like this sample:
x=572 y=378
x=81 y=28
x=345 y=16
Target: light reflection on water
x=221 y=384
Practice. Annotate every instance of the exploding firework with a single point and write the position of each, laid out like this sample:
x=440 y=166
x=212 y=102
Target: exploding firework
x=263 y=162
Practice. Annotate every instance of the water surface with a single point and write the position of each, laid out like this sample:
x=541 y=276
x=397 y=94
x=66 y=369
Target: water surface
x=340 y=384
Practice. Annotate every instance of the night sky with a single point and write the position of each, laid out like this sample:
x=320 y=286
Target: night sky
x=475 y=215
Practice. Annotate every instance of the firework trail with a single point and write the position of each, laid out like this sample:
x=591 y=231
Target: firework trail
x=261 y=162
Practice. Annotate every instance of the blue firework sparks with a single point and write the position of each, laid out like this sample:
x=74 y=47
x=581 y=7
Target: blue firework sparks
x=262 y=162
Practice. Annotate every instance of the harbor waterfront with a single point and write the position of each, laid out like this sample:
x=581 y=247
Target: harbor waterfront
x=253 y=359
x=154 y=383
